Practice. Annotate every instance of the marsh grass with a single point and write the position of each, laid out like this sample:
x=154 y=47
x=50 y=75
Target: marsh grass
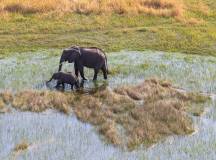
x=146 y=113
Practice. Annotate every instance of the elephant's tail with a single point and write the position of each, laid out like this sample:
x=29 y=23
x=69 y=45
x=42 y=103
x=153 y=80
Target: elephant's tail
x=106 y=63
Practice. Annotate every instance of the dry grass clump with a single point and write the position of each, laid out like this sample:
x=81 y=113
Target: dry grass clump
x=38 y=101
x=109 y=130
x=2 y=105
x=169 y=8
x=21 y=146
x=162 y=113
x=7 y=96
x=129 y=115
x=89 y=109
x=35 y=6
x=157 y=120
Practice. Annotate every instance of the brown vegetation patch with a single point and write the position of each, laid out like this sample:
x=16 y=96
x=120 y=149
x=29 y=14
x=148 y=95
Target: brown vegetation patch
x=2 y=106
x=110 y=132
x=128 y=115
x=6 y=96
x=169 y=8
x=21 y=146
x=38 y=101
x=19 y=8
x=162 y=113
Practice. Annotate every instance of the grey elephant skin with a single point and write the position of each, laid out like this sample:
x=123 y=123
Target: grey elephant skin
x=65 y=78
x=82 y=57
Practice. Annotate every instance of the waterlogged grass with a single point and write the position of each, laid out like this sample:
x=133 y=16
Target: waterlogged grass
x=55 y=131
x=28 y=71
x=162 y=105
x=175 y=67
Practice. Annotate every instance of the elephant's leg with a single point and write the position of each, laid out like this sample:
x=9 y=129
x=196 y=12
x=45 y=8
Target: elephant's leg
x=82 y=84
x=58 y=84
x=81 y=69
x=95 y=74
x=71 y=86
x=76 y=69
x=63 y=85
x=77 y=85
x=104 y=72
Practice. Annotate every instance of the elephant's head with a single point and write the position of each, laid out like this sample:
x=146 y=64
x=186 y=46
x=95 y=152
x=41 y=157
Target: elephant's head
x=55 y=76
x=70 y=55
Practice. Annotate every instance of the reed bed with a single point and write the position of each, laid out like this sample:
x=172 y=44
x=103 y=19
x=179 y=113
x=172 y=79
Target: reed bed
x=168 y=8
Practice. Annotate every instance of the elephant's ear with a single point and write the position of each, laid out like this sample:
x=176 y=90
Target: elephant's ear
x=77 y=49
x=72 y=55
x=64 y=56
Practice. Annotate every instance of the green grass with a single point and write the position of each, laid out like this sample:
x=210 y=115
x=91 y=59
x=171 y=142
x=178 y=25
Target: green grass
x=33 y=32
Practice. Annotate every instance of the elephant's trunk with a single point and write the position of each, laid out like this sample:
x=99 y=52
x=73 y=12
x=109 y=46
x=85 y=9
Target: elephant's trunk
x=60 y=66
x=60 y=63
x=49 y=80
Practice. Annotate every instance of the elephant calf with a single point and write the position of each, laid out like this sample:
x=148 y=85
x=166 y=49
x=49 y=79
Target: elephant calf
x=63 y=78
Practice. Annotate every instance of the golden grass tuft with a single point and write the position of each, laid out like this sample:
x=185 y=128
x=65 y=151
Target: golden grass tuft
x=161 y=114
x=7 y=96
x=2 y=104
x=3 y=107
x=38 y=101
x=170 y=8
x=109 y=130
x=35 y=6
x=145 y=113
x=21 y=146
x=89 y=109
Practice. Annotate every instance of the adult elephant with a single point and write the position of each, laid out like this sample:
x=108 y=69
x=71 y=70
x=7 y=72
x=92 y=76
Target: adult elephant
x=85 y=57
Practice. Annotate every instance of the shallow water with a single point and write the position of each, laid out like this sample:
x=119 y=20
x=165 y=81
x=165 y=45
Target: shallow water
x=191 y=72
x=55 y=136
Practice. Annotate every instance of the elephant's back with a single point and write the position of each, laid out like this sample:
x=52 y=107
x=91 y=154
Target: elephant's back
x=68 y=78
x=93 y=52
x=92 y=56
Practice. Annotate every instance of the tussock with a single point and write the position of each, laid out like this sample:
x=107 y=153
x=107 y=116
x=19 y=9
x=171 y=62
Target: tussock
x=109 y=130
x=145 y=113
x=170 y=8
x=21 y=146
x=7 y=96
x=2 y=105
x=38 y=101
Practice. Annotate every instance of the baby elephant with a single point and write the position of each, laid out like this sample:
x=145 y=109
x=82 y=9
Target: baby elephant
x=63 y=78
